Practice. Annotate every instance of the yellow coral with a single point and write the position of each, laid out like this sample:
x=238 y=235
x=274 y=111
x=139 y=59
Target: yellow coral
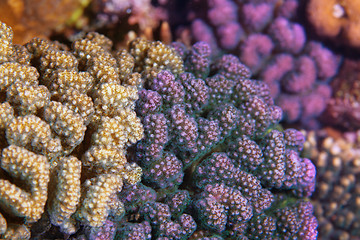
x=3 y=224
x=27 y=99
x=52 y=112
x=132 y=173
x=336 y=156
x=38 y=46
x=61 y=80
x=65 y=199
x=79 y=103
x=6 y=114
x=97 y=194
x=115 y=97
x=135 y=80
x=126 y=63
x=104 y=160
x=57 y=59
x=21 y=55
x=33 y=134
x=119 y=131
x=32 y=169
x=6 y=47
x=152 y=57
x=66 y=123
x=15 y=231
x=336 y=18
x=11 y=71
x=100 y=40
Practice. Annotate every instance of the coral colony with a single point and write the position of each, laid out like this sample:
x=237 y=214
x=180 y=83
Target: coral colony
x=66 y=121
x=105 y=137
x=265 y=36
x=214 y=161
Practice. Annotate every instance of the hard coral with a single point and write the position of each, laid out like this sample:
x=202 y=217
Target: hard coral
x=343 y=109
x=336 y=19
x=266 y=37
x=59 y=106
x=212 y=151
x=336 y=198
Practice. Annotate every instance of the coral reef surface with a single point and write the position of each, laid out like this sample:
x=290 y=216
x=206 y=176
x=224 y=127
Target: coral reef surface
x=336 y=199
x=266 y=37
x=215 y=161
x=67 y=119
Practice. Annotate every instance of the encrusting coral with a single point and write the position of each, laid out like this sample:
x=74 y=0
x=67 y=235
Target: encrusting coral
x=66 y=120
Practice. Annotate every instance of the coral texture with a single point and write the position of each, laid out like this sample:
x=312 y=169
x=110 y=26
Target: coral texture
x=66 y=121
x=214 y=156
x=336 y=198
x=266 y=37
x=343 y=110
x=215 y=162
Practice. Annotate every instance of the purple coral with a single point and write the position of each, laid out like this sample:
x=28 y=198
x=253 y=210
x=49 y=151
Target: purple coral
x=326 y=63
x=202 y=32
x=171 y=91
x=184 y=127
x=219 y=205
x=302 y=78
x=212 y=153
x=288 y=37
x=297 y=221
x=275 y=48
x=246 y=153
x=159 y=216
x=178 y=202
x=197 y=92
x=230 y=67
x=257 y=16
x=135 y=196
x=165 y=172
x=198 y=60
x=223 y=14
x=150 y=102
x=255 y=50
x=135 y=231
x=276 y=70
x=262 y=227
x=220 y=168
x=156 y=136
x=294 y=139
x=105 y=232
